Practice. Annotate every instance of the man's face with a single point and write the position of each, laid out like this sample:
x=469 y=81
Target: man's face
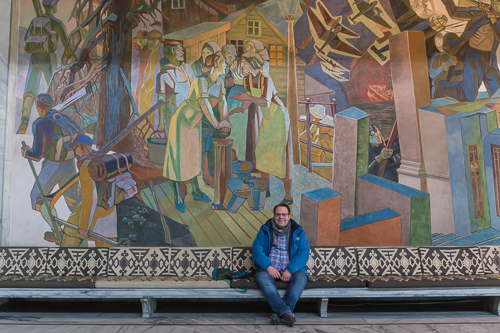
x=281 y=217
x=179 y=53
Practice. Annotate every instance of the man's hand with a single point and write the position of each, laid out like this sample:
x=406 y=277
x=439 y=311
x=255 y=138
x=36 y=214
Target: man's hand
x=273 y=272
x=385 y=154
x=24 y=151
x=286 y=276
x=241 y=96
x=84 y=233
x=235 y=110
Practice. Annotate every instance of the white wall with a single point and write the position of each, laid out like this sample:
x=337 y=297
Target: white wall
x=5 y=133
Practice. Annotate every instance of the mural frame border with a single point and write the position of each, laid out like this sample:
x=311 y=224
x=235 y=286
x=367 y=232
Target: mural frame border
x=7 y=120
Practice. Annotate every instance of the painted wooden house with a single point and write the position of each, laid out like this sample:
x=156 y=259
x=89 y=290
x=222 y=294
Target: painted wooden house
x=187 y=13
x=252 y=24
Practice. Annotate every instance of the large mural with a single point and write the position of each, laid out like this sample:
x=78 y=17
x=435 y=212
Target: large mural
x=184 y=122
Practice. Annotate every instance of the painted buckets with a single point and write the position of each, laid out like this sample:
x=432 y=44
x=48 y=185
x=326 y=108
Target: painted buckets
x=157 y=148
x=237 y=193
x=242 y=169
x=259 y=186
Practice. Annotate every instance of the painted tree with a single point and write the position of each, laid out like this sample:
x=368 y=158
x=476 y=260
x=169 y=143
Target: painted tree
x=114 y=21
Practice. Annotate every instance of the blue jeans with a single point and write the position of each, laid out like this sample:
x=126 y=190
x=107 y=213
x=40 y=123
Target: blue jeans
x=295 y=287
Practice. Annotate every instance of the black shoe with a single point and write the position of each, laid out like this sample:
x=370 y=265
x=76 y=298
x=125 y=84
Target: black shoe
x=288 y=318
x=275 y=318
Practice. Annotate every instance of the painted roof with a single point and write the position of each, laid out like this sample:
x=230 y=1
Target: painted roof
x=245 y=12
x=198 y=30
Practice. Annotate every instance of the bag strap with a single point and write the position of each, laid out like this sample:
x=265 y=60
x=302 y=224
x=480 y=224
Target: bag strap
x=232 y=286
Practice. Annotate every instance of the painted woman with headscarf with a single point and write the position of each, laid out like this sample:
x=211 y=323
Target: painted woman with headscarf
x=173 y=82
x=183 y=159
x=255 y=46
x=273 y=150
x=234 y=85
x=208 y=48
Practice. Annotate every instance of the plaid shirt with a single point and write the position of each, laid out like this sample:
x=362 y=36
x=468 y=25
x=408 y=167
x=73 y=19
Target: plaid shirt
x=279 y=255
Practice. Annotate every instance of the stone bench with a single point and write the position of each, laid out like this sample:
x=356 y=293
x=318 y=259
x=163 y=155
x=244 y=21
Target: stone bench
x=175 y=272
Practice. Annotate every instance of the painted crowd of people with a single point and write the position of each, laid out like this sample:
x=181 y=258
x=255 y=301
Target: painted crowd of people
x=221 y=92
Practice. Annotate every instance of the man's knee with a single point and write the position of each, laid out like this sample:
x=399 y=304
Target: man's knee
x=34 y=195
x=299 y=277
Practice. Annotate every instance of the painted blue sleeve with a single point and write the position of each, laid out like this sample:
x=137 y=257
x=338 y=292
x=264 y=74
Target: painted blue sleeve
x=43 y=131
x=260 y=259
x=300 y=259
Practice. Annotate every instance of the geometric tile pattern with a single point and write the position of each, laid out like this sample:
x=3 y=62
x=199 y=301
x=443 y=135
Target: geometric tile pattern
x=77 y=261
x=389 y=261
x=491 y=259
x=451 y=261
x=27 y=261
x=197 y=261
x=334 y=260
x=139 y=261
x=242 y=259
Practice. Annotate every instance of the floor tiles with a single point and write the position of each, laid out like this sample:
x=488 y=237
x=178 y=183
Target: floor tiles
x=283 y=328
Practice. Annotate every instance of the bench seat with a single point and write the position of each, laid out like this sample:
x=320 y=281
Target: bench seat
x=317 y=281
x=174 y=272
x=160 y=282
x=435 y=281
x=47 y=281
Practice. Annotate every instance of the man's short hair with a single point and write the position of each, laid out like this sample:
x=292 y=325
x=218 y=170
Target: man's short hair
x=282 y=205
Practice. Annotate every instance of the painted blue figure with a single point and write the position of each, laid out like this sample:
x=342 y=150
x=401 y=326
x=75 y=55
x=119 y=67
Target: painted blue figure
x=41 y=39
x=378 y=153
x=476 y=48
x=445 y=67
x=280 y=252
x=53 y=133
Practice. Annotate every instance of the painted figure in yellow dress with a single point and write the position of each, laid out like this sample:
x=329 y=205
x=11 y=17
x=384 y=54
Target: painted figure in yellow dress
x=273 y=148
x=183 y=159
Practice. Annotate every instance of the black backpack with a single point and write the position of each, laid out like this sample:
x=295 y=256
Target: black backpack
x=226 y=274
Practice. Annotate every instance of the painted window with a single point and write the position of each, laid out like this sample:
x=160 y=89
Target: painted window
x=178 y=4
x=475 y=176
x=239 y=43
x=253 y=28
x=277 y=55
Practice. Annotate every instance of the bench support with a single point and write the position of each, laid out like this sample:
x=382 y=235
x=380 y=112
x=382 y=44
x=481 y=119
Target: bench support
x=3 y=300
x=322 y=307
x=148 y=307
x=493 y=304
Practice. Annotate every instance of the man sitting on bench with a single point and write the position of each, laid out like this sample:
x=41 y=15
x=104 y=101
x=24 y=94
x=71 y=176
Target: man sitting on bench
x=280 y=252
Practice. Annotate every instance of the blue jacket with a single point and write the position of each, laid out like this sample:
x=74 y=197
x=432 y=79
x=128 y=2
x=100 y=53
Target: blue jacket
x=298 y=248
